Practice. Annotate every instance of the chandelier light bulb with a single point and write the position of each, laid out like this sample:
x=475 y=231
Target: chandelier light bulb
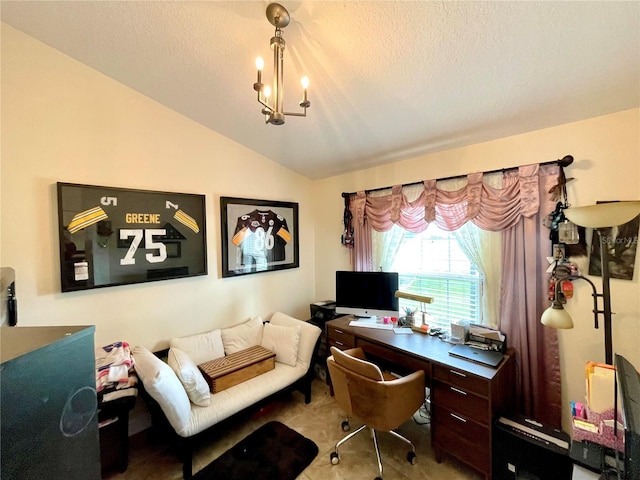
x=305 y=82
x=259 y=63
x=267 y=91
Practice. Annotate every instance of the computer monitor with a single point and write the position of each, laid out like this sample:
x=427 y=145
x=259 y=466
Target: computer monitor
x=367 y=294
x=628 y=387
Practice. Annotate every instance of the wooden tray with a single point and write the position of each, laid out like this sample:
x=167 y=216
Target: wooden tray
x=235 y=368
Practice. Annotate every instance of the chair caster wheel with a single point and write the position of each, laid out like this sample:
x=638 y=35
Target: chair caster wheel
x=335 y=459
x=378 y=478
x=345 y=426
x=411 y=458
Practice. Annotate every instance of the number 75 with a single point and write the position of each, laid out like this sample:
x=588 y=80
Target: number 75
x=150 y=244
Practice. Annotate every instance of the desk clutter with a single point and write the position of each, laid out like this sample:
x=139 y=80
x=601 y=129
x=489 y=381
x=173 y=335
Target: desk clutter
x=474 y=343
x=595 y=420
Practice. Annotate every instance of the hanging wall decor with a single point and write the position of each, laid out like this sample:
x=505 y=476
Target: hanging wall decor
x=115 y=236
x=622 y=244
x=258 y=236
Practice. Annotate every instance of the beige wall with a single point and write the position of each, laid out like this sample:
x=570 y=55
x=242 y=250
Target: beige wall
x=606 y=166
x=62 y=121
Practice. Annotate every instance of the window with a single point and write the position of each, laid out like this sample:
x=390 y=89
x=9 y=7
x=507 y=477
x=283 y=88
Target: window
x=434 y=264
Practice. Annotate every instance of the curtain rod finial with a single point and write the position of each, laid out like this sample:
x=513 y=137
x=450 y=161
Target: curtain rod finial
x=565 y=161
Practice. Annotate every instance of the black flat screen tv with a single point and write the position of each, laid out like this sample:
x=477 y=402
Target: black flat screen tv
x=367 y=294
x=628 y=387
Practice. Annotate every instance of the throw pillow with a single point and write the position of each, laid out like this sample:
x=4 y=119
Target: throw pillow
x=164 y=387
x=202 y=347
x=240 y=337
x=283 y=341
x=309 y=334
x=191 y=378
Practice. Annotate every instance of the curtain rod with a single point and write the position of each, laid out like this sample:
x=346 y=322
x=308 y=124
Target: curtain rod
x=563 y=162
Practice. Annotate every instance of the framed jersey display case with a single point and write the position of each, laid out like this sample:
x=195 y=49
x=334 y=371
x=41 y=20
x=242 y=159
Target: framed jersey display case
x=114 y=236
x=258 y=236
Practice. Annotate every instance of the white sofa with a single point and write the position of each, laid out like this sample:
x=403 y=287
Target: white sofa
x=174 y=389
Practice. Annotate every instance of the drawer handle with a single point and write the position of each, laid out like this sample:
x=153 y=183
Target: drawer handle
x=460 y=374
x=339 y=343
x=338 y=331
x=457 y=417
x=457 y=390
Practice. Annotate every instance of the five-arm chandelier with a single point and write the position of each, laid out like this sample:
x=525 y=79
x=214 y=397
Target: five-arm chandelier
x=272 y=101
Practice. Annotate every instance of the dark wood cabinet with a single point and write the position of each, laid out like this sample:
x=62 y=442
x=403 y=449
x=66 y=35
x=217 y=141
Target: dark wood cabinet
x=49 y=406
x=464 y=406
x=338 y=337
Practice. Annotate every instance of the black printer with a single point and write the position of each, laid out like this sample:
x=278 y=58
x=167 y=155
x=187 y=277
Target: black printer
x=322 y=312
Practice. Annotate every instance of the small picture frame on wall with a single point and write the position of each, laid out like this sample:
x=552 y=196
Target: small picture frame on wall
x=258 y=236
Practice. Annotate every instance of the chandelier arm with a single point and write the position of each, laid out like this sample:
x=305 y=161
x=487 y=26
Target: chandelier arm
x=264 y=104
x=303 y=114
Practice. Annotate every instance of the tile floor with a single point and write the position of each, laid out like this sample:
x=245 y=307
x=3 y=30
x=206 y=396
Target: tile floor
x=151 y=458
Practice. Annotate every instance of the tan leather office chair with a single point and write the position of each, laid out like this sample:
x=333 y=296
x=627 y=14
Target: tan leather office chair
x=383 y=402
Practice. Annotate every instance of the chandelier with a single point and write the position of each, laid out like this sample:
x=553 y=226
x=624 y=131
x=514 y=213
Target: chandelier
x=272 y=100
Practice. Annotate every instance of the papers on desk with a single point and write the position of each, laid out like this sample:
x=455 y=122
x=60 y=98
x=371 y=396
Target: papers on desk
x=403 y=330
x=600 y=378
x=487 y=333
x=371 y=323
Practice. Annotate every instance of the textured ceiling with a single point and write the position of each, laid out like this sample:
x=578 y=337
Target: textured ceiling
x=389 y=80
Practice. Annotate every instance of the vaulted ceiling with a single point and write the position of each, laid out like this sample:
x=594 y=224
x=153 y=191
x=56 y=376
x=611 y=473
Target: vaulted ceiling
x=388 y=80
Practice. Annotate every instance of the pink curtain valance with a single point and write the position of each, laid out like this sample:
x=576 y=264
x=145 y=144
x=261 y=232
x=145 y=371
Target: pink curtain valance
x=494 y=209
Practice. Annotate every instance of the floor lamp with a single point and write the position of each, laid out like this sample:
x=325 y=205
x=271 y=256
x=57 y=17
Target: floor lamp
x=598 y=217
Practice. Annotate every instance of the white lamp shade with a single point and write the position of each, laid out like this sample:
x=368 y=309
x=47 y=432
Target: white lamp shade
x=556 y=318
x=603 y=215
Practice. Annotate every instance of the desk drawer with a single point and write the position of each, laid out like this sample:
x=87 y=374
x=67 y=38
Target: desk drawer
x=461 y=437
x=466 y=404
x=394 y=357
x=461 y=379
x=339 y=338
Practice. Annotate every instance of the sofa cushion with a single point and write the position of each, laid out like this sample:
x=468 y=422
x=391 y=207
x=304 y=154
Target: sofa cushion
x=232 y=400
x=309 y=334
x=192 y=380
x=201 y=347
x=242 y=336
x=283 y=341
x=163 y=386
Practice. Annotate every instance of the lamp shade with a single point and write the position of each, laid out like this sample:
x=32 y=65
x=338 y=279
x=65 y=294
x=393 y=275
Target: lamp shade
x=603 y=215
x=556 y=318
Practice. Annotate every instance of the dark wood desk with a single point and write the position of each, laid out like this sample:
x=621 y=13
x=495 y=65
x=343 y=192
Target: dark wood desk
x=465 y=396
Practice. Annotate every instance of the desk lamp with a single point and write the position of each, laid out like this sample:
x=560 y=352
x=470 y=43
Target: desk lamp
x=415 y=297
x=598 y=217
